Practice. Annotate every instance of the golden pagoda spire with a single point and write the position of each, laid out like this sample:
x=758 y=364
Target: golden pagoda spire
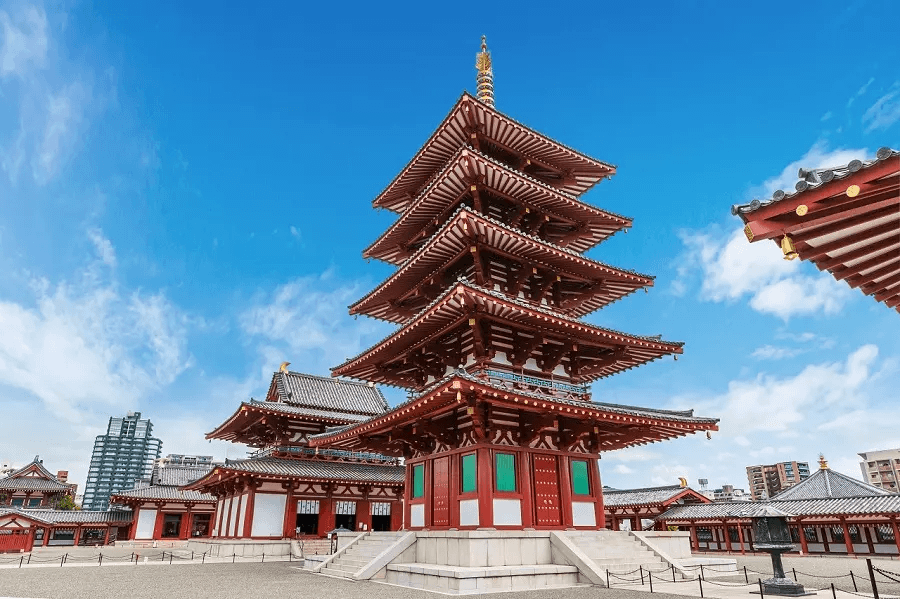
x=485 y=74
x=823 y=463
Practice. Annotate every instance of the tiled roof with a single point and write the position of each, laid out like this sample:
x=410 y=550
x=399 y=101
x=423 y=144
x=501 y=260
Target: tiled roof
x=686 y=416
x=177 y=476
x=320 y=470
x=31 y=483
x=163 y=492
x=80 y=516
x=826 y=483
x=815 y=178
x=17 y=512
x=645 y=496
x=44 y=481
x=882 y=504
x=309 y=391
x=302 y=411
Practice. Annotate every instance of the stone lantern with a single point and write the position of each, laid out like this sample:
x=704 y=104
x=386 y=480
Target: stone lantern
x=771 y=534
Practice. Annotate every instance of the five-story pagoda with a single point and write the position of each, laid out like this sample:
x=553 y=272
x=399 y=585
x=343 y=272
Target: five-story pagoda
x=500 y=430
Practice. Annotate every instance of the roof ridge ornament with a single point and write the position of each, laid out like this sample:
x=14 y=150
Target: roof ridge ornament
x=485 y=79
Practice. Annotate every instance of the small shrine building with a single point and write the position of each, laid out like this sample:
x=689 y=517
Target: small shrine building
x=830 y=513
x=627 y=508
x=163 y=511
x=287 y=489
x=33 y=486
x=500 y=430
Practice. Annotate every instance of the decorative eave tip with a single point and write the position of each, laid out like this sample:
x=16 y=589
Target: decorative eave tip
x=485 y=93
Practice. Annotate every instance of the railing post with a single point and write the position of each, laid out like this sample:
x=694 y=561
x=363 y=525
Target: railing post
x=872 y=578
x=853 y=578
x=607 y=578
x=746 y=578
x=794 y=570
x=650 y=579
x=233 y=555
x=21 y=559
x=673 y=572
x=204 y=558
x=100 y=559
x=701 y=571
x=170 y=557
x=700 y=582
x=263 y=558
x=759 y=580
x=641 y=568
x=833 y=592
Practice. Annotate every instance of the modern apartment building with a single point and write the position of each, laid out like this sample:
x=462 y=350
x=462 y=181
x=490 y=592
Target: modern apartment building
x=177 y=459
x=770 y=479
x=882 y=469
x=122 y=456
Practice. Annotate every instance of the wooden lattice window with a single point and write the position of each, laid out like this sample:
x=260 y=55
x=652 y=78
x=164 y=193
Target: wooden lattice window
x=704 y=534
x=733 y=535
x=811 y=534
x=505 y=467
x=469 y=473
x=580 y=483
x=855 y=536
x=884 y=533
x=837 y=533
x=795 y=534
x=418 y=481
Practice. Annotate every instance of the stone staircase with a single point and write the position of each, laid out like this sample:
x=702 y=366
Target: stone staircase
x=359 y=554
x=617 y=551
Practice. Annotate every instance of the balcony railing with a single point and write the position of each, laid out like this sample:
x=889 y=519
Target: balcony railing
x=360 y=456
x=533 y=381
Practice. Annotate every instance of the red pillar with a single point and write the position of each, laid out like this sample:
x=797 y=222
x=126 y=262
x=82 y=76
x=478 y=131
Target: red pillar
x=106 y=538
x=46 y=541
x=364 y=514
x=485 y=488
x=248 y=514
x=428 y=480
x=185 y=532
x=397 y=515
x=326 y=516
x=454 y=491
x=726 y=535
x=527 y=489
x=157 y=526
x=804 y=548
x=77 y=535
x=695 y=542
x=597 y=492
x=847 y=541
x=290 y=515
x=896 y=532
x=565 y=490
x=740 y=530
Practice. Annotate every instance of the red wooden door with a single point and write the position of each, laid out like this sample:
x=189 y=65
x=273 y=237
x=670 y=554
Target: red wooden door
x=441 y=492
x=15 y=539
x=546 y=491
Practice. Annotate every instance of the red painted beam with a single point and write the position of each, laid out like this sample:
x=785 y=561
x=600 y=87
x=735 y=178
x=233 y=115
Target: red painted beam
x=870 y=288
x=850 y=272
x=854 y=218
x=830 y=263
x=808 y=252
x=889 y=268
x=835 y=187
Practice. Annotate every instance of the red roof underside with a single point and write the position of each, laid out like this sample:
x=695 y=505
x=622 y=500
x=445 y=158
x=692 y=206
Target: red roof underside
x=857 y=239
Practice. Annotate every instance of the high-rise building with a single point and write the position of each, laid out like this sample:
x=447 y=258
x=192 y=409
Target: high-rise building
x=122 y=456
x=881 y=468
x=177 y=459
x=768 y=480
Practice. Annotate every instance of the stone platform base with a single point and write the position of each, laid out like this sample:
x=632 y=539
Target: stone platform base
x=229 y=547
x=460 y=580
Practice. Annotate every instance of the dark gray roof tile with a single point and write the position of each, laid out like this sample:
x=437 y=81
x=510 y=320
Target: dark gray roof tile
x=331 y=394
x=321 y=470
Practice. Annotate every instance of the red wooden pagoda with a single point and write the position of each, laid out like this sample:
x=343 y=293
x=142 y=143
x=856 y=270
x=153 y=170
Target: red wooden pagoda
x=500 y=430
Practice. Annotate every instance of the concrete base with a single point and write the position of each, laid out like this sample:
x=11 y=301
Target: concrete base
x=460 y=580
x=246 y=548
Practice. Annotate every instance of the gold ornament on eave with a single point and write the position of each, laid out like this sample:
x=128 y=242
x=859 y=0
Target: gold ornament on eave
x=284 y=366
x=787 y=246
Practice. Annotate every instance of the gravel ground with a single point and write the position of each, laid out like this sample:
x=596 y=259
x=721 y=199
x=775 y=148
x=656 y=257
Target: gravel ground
x=238 y=581
x=275 y=580
x=812 y=570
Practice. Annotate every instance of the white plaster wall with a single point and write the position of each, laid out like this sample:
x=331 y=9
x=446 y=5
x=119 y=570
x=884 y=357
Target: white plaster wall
x=583 y=513
x=417 y=515
x=268 y=515
x=239 y=532
x=468 y=512
x=219 y=504
x=145 y=523
x=507 y=512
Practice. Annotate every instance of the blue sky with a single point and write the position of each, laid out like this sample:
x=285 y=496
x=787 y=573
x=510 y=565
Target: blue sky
x=185 y=194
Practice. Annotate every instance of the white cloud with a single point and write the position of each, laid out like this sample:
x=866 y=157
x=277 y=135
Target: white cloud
x=295 y=233
x=104 y=248
x=742 y=441
x=884 y=112
x=860 y=92
x=772 y=352
x=818 y=156
x=25 y=41
x=623 y=469
x=733 y=268
x=306 y=322
x=84 y=346
x=827 y=116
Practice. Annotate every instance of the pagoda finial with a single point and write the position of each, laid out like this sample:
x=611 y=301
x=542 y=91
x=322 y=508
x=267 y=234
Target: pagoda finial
x=485 y=74
x=823 y=463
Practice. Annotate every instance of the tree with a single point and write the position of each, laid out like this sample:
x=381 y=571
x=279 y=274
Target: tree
x=66 y=503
